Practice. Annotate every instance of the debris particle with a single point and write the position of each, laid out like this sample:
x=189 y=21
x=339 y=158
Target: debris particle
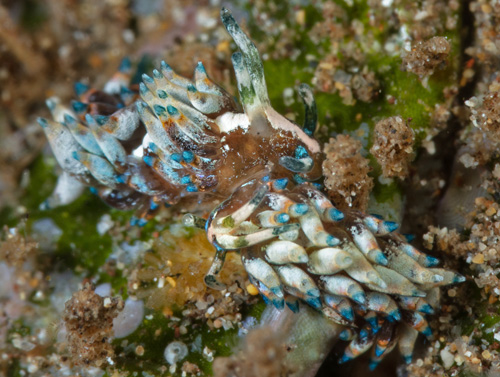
x=366 y=86
x=447 y=358
x=15 y=249
x=485 y=113
x=251 y=289
x=139 y=350
x=346 y=173
x=208 y=354
x=393 y=146
x=89 y=326
x=425 y=57
x=190 y=368
x=478 y=259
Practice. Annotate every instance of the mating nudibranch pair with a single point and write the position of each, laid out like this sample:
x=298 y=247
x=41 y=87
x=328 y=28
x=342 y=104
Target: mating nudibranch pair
x=173 y=140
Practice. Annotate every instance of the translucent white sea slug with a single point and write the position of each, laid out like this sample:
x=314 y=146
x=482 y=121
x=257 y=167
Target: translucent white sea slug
x=185 y=142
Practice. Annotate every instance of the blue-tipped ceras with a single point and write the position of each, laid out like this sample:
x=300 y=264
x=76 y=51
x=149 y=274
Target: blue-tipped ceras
x=246 y=174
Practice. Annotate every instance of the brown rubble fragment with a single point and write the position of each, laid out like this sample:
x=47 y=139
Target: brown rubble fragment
x=89 y=322
x=486 y=115
x=425 y=57
x=330 y=77
x=346 y=173
x=445 y=240
x=190 y=369
x=16 y=249
x=441 y=116
x=393 y=146
x=333 y=25
x=323 y=76
x=366 y=86
x=478 y=148
x=431 y=17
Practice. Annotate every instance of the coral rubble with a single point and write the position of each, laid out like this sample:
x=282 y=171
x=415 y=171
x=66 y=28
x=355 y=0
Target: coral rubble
x=393 y=146
x=425 y=57
x=346 y=173
x=88 y=319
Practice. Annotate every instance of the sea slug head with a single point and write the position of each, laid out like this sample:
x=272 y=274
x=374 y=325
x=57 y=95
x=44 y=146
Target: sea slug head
x=280 y=144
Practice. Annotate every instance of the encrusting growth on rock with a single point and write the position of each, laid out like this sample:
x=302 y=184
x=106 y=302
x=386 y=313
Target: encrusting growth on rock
x=482 y=141
x=393 y=146
x=172 y=276
x=346 y=173
x=478 y=247
x=89 y=322
x=425 y=57
x=486 y=116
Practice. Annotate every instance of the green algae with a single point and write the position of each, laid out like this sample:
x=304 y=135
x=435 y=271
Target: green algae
x=413 y=100
x=157 y=331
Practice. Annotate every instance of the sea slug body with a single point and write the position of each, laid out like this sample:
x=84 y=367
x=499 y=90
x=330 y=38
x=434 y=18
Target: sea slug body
x=184 y=142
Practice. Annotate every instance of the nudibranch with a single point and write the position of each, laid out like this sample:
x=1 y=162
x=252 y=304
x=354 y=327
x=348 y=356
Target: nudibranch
x=248 y=176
